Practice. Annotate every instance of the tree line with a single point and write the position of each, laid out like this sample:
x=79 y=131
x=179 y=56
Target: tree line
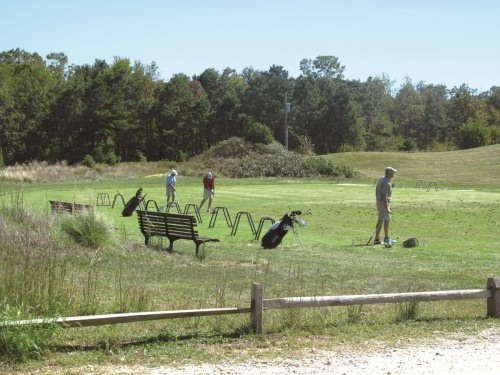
x=124 y=111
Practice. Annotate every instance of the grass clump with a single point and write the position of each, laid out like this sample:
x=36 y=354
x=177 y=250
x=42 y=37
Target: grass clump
x=20 y=343
x=408 y=310
x=87 y=229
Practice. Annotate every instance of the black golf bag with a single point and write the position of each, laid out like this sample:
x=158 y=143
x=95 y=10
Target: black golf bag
x=133 y=203
x=278 y=230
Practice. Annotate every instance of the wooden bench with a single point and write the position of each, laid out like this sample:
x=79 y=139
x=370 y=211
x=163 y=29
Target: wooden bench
x=61 y=207
x=173 y=226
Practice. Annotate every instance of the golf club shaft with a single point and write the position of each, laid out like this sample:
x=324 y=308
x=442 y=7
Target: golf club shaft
x=379 y=225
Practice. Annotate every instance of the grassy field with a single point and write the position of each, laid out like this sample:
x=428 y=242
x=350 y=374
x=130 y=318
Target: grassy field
x=465 y=169
x=459 y=222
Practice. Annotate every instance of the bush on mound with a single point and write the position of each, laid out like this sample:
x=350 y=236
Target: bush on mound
x=238 y=158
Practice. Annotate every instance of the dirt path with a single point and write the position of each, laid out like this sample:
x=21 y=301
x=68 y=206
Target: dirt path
x=472 y=355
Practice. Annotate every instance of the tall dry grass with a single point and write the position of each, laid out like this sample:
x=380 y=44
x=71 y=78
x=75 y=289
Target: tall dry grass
x=32 y=260
x=44 y=172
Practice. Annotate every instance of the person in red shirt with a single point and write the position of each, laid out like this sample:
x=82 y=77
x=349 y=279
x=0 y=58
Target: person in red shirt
x=208 y=190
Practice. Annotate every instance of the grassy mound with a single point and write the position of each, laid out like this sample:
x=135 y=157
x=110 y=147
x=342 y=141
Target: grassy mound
x=237 y=158
x=472 y=168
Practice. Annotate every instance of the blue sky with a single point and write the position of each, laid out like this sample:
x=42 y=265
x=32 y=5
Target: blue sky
x=438 y=41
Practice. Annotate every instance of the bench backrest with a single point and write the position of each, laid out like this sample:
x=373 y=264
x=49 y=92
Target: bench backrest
x=69 y=207
x=167 y=223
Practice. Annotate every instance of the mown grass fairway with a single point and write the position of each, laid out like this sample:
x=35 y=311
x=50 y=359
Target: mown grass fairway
x=465 y=169
x=460 y=227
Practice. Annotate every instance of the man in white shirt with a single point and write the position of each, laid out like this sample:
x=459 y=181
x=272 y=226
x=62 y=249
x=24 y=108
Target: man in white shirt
x=383 y=193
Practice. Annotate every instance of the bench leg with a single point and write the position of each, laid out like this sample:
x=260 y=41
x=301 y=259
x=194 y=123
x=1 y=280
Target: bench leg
x=147 y=240
x=171 y=245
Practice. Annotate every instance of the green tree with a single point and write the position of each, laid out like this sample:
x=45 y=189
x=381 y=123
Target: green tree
x=82 y=115
x=305 y=113
x=460 y=108
x=27 y=91
x=336 y=124
x=322 y=67
x=491 y=103
x=433 y=125
x=408 y=112
x=374 y=103
x=131 y=94
x=225 y=92
x=182 y=115
x=264 y=98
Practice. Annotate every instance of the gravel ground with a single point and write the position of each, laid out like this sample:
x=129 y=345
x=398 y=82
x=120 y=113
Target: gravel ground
x=471 y=355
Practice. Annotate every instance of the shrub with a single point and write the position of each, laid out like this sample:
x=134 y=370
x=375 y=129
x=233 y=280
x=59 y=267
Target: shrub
x=284 y=164
x=88 y=161
x=230 y=148
x=409 y=145
x=240 y=159
x=346 y=147
x=183 y=156
x=472 y=134
x=494 y=135
x=111 y=159
x=140 y=157
x=87 y=229
x=323 y=167
x=255 y=132
x=305 y=145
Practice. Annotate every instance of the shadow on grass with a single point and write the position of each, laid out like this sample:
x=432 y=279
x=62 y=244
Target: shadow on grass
x=160 y=338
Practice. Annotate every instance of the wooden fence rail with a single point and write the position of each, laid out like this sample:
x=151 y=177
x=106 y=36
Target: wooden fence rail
x=295 y=302
x=99 y=320
x=259 y=304
x=491 y=293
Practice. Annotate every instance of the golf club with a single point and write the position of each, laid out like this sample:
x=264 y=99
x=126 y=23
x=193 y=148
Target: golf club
x=376 y=230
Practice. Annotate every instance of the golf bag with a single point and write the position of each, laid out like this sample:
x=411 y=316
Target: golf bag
x=410 y=242
x=278 y=230
x=133 y=203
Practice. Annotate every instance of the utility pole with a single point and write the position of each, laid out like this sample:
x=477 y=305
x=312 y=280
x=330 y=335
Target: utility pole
x=287 y=109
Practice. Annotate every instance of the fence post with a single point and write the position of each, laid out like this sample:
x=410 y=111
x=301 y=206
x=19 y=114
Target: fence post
x=257 y=308
x=493 y=303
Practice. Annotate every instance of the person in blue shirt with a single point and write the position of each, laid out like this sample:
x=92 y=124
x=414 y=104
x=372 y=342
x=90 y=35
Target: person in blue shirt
x=171 y=189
